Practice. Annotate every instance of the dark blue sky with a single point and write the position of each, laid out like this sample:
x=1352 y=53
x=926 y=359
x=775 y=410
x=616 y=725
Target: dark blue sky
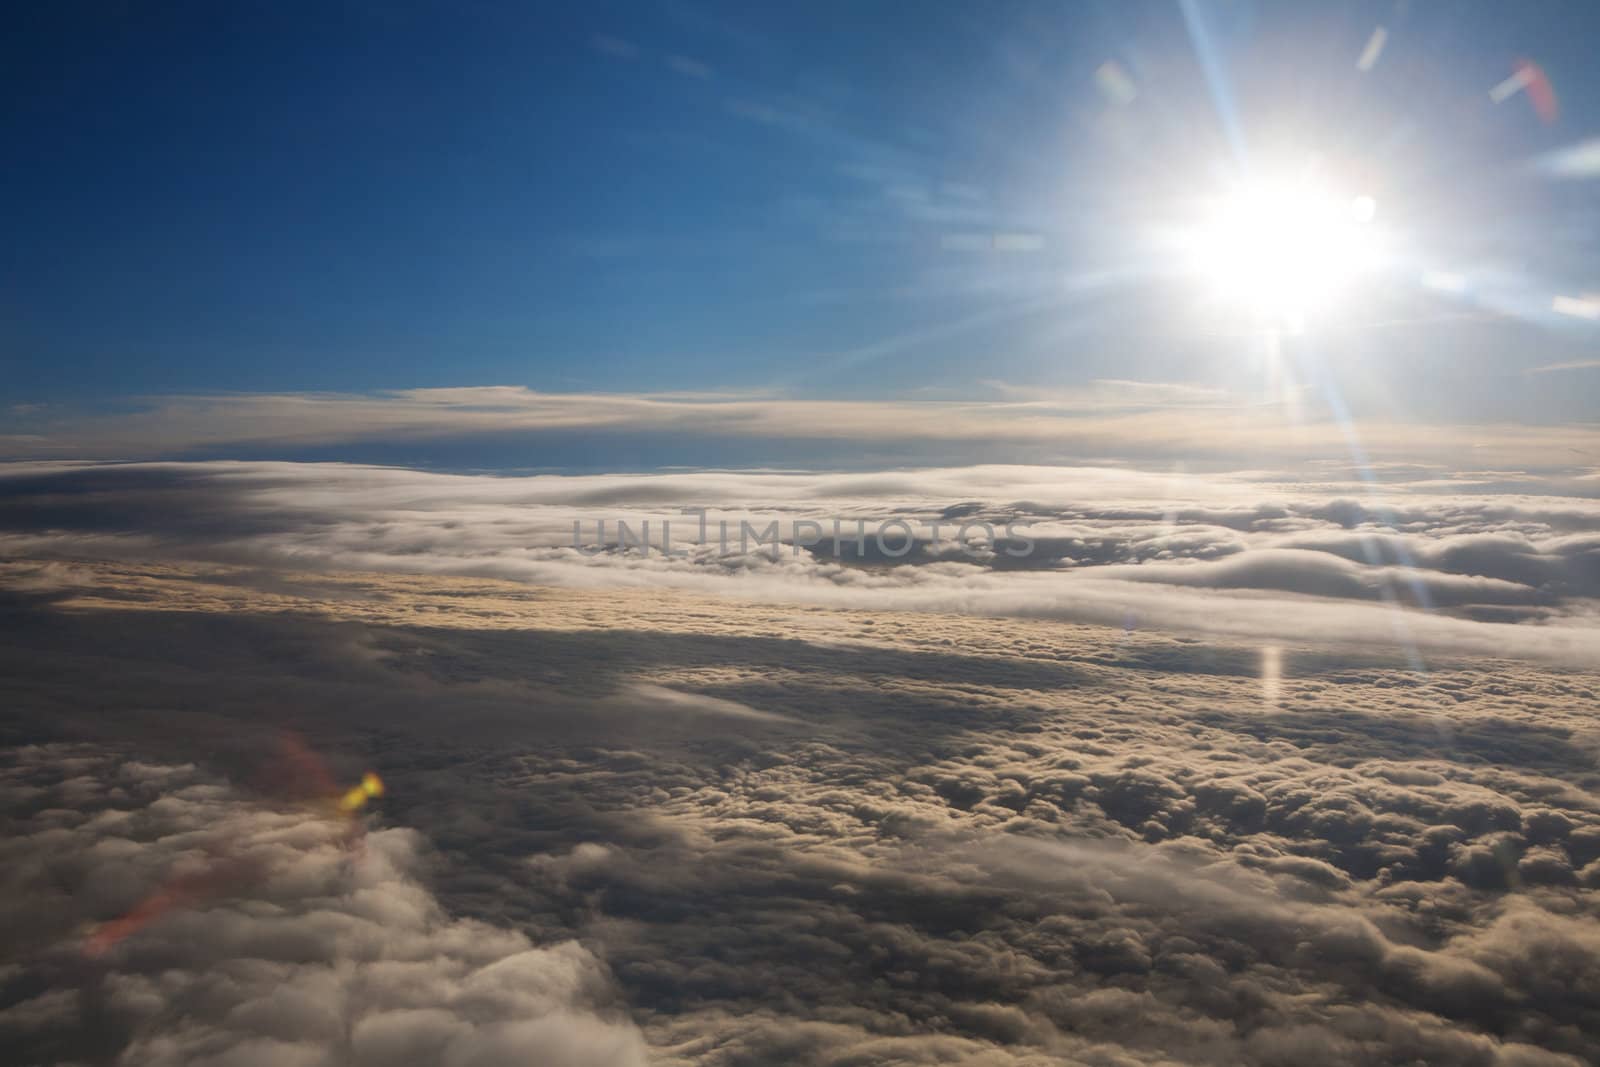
x=687 y=196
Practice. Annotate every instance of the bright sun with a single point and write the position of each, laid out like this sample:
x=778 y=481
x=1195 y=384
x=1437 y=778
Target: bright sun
x=1284 y=250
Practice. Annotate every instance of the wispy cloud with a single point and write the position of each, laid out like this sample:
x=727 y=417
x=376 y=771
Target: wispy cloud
x=615 y=47
x=1109 y=419
x=689 y=68
x=1576 y=364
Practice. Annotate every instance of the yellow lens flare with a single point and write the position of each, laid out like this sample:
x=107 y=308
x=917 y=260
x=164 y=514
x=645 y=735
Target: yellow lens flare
x=356 y=797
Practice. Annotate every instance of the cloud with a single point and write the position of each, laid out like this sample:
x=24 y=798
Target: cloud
x=1145 y=421
x=1579 y=160
x=1577 y=364
x=659 y=696
x=1313 y=573
x=614 y=47
x=689 y=68
x=1001 y=840
x=1226 y=756
x=1437 y=562
x=330 y=954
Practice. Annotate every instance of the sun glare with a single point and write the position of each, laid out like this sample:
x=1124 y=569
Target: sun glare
x=1284 y=250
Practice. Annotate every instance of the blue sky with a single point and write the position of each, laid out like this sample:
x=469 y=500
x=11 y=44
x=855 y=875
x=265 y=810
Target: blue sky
x=837 y=200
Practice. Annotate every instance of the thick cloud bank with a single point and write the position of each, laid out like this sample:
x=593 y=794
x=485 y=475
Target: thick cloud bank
x=288 y=943
x=1438 y=562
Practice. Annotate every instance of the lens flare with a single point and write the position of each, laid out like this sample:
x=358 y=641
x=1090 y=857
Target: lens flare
x=356 y=797
x=306 y=774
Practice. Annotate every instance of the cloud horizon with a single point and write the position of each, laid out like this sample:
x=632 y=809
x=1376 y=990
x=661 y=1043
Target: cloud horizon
x=1107 y=420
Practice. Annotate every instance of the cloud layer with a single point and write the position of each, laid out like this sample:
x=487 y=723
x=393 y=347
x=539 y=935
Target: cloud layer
x=1146 y=421
x=1323 y=791
x=801 y=835
x=1435 y=561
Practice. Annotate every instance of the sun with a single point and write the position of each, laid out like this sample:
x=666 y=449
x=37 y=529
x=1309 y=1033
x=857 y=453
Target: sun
x=1283 y=250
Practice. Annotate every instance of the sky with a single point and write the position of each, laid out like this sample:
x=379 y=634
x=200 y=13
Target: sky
x=821 y=201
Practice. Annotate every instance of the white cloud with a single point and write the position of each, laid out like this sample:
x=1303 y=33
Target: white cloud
x=1435 y=563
